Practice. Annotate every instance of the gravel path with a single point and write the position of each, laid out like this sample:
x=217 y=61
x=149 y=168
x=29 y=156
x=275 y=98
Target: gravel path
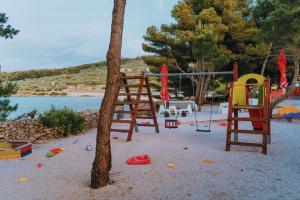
x=242 y=173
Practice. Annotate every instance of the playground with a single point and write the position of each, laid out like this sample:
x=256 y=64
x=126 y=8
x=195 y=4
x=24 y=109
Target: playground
x=173 y=153
x=185 y=164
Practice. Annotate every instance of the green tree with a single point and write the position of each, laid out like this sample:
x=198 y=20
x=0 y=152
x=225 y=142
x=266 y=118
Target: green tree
x=279 y=21
x=6 y=88
x=6 y=30
x=206 y=35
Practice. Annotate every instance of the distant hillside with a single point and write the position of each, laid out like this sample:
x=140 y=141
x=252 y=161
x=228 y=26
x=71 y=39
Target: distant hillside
x=83 y=79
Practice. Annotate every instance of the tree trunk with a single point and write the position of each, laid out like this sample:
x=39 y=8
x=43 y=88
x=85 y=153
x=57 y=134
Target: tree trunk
x=290 y=91
x=102 y=162
x=199 y=90
x=266 y=60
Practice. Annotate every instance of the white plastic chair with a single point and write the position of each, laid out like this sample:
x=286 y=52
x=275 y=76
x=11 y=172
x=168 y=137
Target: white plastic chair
x=172 y=109
x=223 y=108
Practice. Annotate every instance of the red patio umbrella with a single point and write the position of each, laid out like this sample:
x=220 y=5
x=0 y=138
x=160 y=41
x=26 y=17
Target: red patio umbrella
x=282 y=68
x=164 y=94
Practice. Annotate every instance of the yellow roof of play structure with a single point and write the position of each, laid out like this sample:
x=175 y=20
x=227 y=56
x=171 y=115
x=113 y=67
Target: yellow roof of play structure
x=239 y=88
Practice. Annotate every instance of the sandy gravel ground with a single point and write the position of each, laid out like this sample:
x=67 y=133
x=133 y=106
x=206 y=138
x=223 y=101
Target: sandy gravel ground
x=242 y=173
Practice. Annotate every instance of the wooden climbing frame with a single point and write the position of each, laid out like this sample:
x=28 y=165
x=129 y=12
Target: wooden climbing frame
x=264 y=119
x=134 y=101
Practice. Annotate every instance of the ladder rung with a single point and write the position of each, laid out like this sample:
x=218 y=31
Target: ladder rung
x=124 y=103
x=132 y=94
x=145 y=117
x=248 y=119
x=131 y=77
x=248 y=131
x=246 y=144
x=132 y=85
x=121 y=121
x=119 y=130
x=123 y=112
x=144 y=101
x=144 y=110
x=247 y=107
x=144 y=124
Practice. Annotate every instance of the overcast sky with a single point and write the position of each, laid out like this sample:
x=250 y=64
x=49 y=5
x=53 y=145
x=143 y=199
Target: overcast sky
x=61 y=33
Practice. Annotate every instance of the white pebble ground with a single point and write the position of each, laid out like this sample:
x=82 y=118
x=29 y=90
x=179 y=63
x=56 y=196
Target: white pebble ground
x=242 y=173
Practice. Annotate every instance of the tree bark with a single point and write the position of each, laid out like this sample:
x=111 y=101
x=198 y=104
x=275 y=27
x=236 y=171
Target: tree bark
x=102 y=162
x=199 y=91
x=266 y=60
x=290 y=91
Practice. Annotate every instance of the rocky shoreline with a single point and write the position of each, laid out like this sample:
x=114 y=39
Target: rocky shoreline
x=32 y=129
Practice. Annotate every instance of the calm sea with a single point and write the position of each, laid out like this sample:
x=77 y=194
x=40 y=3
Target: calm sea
x=43 y=103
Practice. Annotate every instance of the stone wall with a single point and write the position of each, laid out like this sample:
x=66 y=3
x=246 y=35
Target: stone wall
x=33 y=130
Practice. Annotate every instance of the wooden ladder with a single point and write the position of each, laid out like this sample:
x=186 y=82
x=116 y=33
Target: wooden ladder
x=134 y=104
x=235 y=119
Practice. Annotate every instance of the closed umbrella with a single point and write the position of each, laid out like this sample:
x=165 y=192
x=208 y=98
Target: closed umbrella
x=282 y=68
x=164 y=94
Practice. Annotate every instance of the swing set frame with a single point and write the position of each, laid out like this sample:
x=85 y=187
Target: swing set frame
x=192 y=75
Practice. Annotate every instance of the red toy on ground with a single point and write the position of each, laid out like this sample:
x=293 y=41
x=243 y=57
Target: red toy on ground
x=139 y=160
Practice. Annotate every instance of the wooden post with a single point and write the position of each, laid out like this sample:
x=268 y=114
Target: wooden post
x=235 y=71
x=269 y=113
x=235 y=112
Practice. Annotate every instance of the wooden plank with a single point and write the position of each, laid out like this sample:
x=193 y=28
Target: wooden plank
x=138 y=98
x=124 y=103
x=248 y=119
x=128 y=96
x=143 y=110
x=5 y=145
x=144 y=101
x=12 y=156
x=247 y=131
x=247 y=107
x=119 y=130
x=247 y=144
x=145 y=124
x=123 y=112
x=145 y=117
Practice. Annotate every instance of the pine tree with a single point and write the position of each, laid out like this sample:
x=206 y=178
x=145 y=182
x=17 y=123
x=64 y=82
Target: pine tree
x=6 y=88
x=206 y=35
x=279 y=21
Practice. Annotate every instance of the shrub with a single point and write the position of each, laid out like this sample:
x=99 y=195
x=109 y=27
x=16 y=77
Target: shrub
x=65 y=118
x=32 y=114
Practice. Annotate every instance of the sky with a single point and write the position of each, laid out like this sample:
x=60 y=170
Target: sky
x=62 y=33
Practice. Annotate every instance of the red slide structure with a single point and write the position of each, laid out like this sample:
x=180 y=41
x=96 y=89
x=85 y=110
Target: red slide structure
x=256 y=114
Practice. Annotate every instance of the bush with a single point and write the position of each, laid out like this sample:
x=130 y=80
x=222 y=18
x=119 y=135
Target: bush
x=65 y=118
x=32 y=114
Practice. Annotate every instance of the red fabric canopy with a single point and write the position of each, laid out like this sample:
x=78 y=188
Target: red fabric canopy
x=282 y=69
x=164 y=94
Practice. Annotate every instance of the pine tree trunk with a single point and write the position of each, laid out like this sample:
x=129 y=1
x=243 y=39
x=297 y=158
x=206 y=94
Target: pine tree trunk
x=266 y=60
x=102 y=162
x=198 y=92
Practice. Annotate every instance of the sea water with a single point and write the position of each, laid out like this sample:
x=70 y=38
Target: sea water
x=44 y=103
